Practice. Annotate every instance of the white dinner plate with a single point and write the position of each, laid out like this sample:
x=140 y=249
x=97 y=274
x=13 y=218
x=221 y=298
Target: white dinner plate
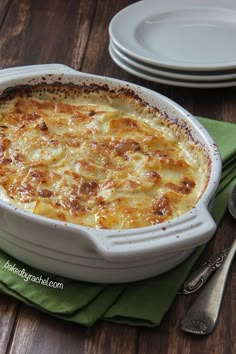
x=183 y=35
x=145 y=74
x=173 y=74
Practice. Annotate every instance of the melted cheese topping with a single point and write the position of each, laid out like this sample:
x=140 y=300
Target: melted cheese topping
x=95 y=164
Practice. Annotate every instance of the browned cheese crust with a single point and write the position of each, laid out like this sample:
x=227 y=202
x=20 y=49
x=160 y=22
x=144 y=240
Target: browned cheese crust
x=94 y=160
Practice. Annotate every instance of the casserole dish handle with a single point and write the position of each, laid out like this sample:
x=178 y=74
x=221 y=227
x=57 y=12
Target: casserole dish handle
x=44 y=69
x=186 y=232
x=12 y=73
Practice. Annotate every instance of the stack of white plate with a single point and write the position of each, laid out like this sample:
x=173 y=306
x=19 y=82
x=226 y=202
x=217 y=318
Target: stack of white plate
x=185 y=43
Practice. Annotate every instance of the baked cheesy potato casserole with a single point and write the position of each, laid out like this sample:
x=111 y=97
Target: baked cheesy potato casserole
x=94 y=157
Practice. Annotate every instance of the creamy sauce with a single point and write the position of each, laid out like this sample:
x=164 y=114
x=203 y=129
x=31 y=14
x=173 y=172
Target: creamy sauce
x=96 y=164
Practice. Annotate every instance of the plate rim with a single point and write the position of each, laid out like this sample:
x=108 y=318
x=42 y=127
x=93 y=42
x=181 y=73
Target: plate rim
x=170 y=81
x=186 y=76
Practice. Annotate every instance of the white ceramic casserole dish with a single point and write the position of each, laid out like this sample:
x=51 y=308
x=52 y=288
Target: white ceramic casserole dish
x=105 y=255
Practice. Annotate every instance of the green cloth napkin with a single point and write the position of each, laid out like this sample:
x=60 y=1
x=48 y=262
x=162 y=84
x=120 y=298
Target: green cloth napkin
x=140 y=303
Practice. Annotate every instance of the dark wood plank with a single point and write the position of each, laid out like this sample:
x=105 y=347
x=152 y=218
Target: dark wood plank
x=8 y=312
x=109 y=338
x=213 y=103
x=97 y=59
x=38 y=333
x=46 y=32
x=4 y=5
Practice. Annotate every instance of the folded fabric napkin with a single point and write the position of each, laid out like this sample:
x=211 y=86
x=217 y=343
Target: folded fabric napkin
x=140 y=303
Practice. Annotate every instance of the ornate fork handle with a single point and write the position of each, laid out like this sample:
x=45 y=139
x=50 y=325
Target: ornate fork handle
x=199 y=277
x=203 y=314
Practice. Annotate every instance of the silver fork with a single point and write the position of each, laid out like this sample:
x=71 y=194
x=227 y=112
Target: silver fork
x=202 y=316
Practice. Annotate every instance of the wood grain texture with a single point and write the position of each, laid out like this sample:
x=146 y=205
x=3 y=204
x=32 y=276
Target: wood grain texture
x=97 y=59
x=46 y=32
x=39 y=333
x=4 y=6
x=8 y=314
x=75 y=33
x=217 y=103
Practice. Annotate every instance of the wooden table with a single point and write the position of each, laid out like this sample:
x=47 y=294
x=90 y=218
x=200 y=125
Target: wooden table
x=75 y=33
